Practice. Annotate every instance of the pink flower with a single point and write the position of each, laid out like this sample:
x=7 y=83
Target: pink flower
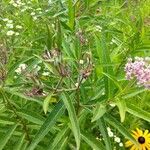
x=139 y=68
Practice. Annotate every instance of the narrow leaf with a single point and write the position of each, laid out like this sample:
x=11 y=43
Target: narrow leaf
x=46 y=103
x=7 y=136
x=136 y=111
x=73 y=118
x=122 y=108
x=50 y=121
x=103 y=130
x=90 y=140
x=99 y=111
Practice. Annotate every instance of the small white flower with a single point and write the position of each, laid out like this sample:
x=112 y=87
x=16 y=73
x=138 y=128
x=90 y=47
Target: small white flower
x=40 y=12
x=45 y=73
x=23 y=66
x=11 y=2
x=98 y=28
x=76 y=84
x=10 y=21
x=38 y=9
x=50 y=2
x=110 y=134
x=108 y=129
x=34 y=18
x=18 y=71
x=5 y=19
x=15 y=5
x=18 y=27
x=117 y=139
x=10 y=25
x=112 y=104
x=81 y=62
x=32 y=14
x=121 y=144
x=46 y=10
x=9 y=33
x=17 y=33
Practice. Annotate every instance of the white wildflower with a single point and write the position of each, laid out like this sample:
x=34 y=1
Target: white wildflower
x=110 y=134
x=10 y=21
x=112 y=104
x=45 y=73
x=117 y=139
x=17 y=33
x=76 y=84
x=34 y=18
x=32 y=14
x=5 y=19
x=10 y=25
x=18 y=27
x=121 y=144
x=9 y=33
x=81 y=62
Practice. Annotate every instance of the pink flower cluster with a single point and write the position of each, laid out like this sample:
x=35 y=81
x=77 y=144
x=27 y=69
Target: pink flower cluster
x=139 y=68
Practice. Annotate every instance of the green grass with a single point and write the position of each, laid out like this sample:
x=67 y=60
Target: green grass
x=75 y=53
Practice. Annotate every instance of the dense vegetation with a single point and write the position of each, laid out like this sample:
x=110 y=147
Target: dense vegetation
x=63 y=81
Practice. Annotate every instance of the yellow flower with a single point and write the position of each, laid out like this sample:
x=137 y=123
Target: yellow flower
x=143 y=138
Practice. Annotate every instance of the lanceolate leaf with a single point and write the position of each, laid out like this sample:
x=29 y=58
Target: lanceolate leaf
x=73 y=118
x=90 y=140
x=103 y=130
x=136 y=111
x=99 y=111
x=7 y=136
x=46 y=102
x=50 y=121
x=20 y=142
x=122 y=108
x=104 y=59
x=61 y=135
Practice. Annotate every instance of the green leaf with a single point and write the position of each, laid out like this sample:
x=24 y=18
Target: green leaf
x=122 y=108
x=31 y=116
x=104 y=59
x=73 y=118
x=136 y=111
x=46 y=102
x=112 y=121
x=7 y=136
x=90 y=140
x=132 y=94
x=71 y=14
x=99 y=111
x=19 y=143
x=49 y=38
x=61 y=135
x=50 y=121
x=103 y=130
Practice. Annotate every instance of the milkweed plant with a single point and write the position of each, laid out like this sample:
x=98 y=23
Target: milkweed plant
x=74 y=75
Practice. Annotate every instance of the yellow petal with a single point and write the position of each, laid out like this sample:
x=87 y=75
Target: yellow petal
x=128 y=144
x=146 y=132
x=133 y=147
x=140 y=132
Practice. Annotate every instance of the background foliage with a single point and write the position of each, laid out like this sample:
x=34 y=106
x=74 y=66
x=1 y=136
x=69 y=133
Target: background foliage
x=73 y=87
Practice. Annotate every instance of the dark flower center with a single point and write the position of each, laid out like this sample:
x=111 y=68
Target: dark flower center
x=141 y=140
